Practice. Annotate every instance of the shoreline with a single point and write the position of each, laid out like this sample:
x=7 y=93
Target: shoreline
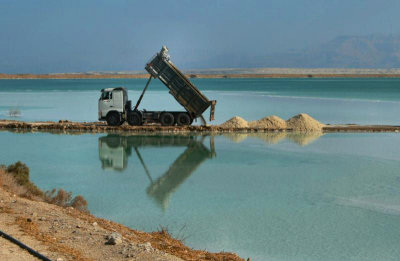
x=66 y=233
x=101 y=127
x=197 y=76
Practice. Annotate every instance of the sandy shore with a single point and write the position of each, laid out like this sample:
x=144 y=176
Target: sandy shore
x=68 y=234
x=201 y=76
x=101 y=127
x=65 y=233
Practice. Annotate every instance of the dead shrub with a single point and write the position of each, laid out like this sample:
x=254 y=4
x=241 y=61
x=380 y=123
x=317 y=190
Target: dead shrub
x=15 y=179
x=2 y=173
x=63 y=198
x=179 y=236
x=163 y=230
x=20 y=172
x=8 y=182
x=80 y=204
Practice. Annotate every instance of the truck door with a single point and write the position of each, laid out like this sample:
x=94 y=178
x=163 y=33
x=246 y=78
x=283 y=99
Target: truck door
x=108 y=99
x=106 y=103
x=118 y=101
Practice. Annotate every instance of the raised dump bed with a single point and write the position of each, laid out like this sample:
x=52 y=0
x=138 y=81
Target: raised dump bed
x=184 y=91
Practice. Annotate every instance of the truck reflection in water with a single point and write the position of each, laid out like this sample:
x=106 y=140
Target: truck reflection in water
x=114 y=151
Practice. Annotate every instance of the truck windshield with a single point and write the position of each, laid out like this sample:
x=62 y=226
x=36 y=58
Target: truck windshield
x=106 y=96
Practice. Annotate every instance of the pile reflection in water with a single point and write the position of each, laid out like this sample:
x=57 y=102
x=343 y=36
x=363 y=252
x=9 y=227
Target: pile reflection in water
x=114 y=151
x=300 y=138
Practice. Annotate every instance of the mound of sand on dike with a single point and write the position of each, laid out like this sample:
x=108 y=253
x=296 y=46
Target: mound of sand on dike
x=270 y=122
x=304 y=122
x=235 y=122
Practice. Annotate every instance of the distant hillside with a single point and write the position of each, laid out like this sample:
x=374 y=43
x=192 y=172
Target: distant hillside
x=374 y=51
x=374 y=55
x=294 y=71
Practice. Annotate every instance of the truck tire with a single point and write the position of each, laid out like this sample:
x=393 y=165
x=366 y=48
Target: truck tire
x=113 y=118
x=135 y=119
x=167 y=119
x=183 y=119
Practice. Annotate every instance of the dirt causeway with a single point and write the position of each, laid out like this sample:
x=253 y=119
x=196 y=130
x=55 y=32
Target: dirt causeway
x=101 y=127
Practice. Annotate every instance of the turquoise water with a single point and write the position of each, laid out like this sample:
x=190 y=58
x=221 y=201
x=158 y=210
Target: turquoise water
x=265 y=196
x=362 y=101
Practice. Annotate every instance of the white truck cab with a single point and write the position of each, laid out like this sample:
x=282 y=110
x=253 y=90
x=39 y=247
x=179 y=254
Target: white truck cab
x=112 y=105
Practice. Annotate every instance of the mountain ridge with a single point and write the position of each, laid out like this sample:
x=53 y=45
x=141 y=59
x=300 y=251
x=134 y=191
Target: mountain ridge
x=370 y=51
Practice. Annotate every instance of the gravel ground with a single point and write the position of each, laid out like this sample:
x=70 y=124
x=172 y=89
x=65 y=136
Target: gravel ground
x=53 y=232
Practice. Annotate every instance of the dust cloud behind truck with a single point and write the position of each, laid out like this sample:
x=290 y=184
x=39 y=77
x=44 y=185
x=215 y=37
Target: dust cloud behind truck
x=115 y=108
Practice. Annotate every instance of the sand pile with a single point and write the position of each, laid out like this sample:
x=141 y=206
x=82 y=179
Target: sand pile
x=270 y=122
x=301 y=122
x=235 y=122
x=304 y=122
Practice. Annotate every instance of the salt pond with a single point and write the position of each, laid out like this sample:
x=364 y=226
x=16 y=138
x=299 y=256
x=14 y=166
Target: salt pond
x=267 y=196
x=264 y=196
x=335 y=101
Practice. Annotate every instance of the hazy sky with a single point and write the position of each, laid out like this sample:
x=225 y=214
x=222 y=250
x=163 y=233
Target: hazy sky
x=78 y=36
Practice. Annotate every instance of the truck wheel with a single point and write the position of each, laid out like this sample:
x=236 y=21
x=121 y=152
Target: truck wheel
x=167 y=119
x=113 y=118
x=135 y=119
x=183 y=119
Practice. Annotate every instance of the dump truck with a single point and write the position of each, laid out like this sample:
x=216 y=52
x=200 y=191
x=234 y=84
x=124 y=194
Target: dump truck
x=115 y=108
